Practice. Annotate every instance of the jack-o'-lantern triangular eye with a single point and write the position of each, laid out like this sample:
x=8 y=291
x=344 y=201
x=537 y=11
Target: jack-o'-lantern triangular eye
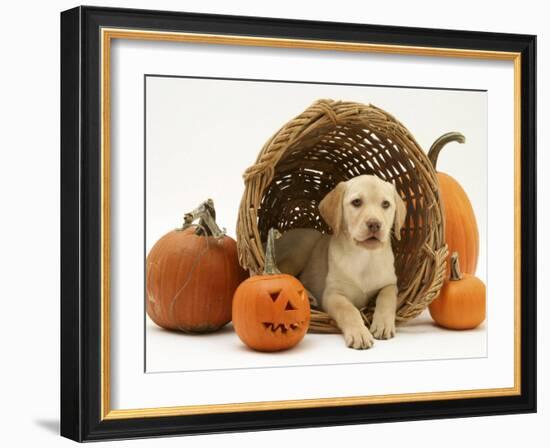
x=289 y=307
x=275 y=295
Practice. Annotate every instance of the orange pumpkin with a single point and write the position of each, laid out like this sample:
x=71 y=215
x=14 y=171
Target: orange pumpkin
x=461 y=302
x=191 y=276
x=461 y=232
x=271 y=312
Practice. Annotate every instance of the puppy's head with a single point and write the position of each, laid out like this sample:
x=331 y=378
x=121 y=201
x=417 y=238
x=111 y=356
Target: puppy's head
x=365 y=209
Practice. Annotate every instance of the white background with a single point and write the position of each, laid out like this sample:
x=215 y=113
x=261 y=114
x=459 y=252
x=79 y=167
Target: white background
x=29 y=174
x=203 y=133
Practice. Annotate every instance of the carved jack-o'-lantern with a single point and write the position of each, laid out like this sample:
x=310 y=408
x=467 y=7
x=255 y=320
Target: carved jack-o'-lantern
x=271 y=311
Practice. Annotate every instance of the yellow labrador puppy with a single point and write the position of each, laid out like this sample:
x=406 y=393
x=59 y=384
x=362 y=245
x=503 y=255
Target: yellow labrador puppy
x=354 y=264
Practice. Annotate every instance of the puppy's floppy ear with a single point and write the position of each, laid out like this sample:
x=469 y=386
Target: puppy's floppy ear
x=400 y=214
x=331 y=207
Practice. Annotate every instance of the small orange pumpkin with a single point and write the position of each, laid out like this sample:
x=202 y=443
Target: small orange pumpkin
x=461 y=302
x=461 y=232
x=191 y=275
x=271 y=312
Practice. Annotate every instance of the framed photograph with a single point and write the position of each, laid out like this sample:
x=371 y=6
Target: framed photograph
x=273 y=223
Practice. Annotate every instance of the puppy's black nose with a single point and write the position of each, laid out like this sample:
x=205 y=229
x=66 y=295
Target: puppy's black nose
x=373 y=225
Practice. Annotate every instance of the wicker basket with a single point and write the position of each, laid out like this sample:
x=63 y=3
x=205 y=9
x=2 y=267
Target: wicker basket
x=333 y=141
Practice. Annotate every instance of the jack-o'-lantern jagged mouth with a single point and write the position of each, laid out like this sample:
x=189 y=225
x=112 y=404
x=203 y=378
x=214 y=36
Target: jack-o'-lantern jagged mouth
x=282 y=328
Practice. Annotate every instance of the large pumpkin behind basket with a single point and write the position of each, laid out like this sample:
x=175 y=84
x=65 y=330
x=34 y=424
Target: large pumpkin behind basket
x=190 y=279
x=333 y=141
x=461 y=231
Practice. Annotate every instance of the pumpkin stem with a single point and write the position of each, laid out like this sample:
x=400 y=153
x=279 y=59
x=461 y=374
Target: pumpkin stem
x=270 y=266
x=436 y=147
x=206 y=214
x=456 y=274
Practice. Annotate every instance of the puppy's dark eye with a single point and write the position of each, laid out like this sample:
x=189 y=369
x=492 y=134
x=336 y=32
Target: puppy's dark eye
x=357 y=202
x=385 y=204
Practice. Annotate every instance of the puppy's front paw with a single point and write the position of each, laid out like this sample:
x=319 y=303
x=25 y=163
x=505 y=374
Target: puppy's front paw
x=358 y=337
x=383 y=327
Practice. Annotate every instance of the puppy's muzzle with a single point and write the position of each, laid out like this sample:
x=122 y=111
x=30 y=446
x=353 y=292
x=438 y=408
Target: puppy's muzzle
x=373 y=225
x=373 y=237
x=374 y=233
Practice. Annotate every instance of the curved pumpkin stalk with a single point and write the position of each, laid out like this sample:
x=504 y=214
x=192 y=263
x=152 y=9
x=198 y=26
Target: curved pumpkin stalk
x=438 y=145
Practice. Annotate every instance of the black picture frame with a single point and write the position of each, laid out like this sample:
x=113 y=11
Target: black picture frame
x=81 y=224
